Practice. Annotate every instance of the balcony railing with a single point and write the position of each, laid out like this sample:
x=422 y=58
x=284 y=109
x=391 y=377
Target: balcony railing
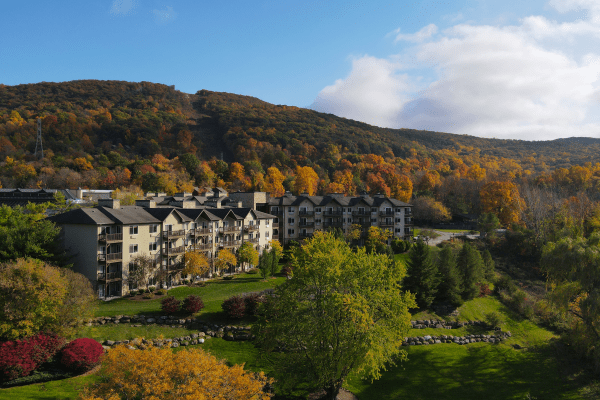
x=327 y=224
x=171 y=234
x=174 y=250
x=253 y=240
x=109 y=276
x=201 y=231
x=408 y=221
x=306 y=213
x=306 y=223
x=387 y=223
x=112 y=257
x=361 y=212
x=386 y=213
x=230 y=243
x=332 y=212
x=203 y=246
x=110 y=237
x=275 y=225
x=226 y=229
x=250 y=228
x=305 y=235
x=276 y=212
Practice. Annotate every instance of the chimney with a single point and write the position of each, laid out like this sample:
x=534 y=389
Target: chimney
x=109 y=203
x=148 y=203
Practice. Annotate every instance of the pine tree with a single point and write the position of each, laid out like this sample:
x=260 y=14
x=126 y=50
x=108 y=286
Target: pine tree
x=421 y=276
x=470 y=267
x=488 y=265
x=449 y=289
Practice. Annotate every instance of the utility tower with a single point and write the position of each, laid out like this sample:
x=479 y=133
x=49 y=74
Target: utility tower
x=38 y=142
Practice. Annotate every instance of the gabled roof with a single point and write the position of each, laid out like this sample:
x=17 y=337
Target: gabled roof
x=128 y=215
x=161 y=214
x=342 y=201
x=82 y=216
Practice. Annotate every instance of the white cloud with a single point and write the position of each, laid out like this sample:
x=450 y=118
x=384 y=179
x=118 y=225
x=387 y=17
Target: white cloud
x=165 y=15
x=537 y=80
x=122 y=7
x=418 y=37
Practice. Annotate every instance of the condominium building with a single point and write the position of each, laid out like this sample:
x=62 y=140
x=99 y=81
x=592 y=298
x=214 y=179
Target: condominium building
x=298 y=217
x=105 y=240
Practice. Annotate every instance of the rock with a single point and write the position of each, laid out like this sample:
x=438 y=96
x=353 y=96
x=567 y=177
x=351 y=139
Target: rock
x=174 y=344
x=109 y=343
x=150 y=320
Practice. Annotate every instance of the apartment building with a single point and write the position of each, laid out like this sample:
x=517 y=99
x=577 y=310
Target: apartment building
x=298 y=217
x=104 y=240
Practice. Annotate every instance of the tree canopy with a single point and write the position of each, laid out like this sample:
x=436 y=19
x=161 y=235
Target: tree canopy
x=342 y=311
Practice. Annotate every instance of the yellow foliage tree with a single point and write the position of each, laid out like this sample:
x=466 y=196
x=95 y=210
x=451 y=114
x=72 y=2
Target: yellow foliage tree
x=161 y=374
x=502 y=199
x=196 y=263
x=476 y=173
x=273 y=183
x=307 y=180
x=225 y=259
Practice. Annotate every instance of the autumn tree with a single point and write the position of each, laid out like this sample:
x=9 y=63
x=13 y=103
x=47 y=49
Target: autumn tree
x=141 y=268
x=428 y=209
x=160 y=373
x=247 y=254
x=503 y=199
x=377 y=239
x=342 y=312
x=273 y=183
x=306 y=181
x=225 y=259
x=196 y=263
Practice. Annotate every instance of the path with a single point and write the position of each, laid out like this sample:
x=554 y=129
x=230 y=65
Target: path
x=447 y=236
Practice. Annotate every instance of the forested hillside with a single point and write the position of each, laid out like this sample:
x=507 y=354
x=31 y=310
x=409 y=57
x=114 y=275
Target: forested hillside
x=111 y=134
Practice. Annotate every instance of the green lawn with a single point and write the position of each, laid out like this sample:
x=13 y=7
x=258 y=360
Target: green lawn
x=55 y=390
x=212 y=294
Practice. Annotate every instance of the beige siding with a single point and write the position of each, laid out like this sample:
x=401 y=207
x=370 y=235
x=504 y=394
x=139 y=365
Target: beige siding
x=81 y=242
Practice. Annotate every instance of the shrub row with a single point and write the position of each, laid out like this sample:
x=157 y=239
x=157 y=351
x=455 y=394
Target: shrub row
x=20 y=357
x=238 y=307
x=190 y=304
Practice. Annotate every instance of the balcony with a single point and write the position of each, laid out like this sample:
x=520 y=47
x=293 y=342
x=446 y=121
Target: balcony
x=109 y=276
x=305 y=235
x=175 y=266
x=387 y=223
x=174 y=234
x=230 y=243
x=306 y=224
x=276 y=212
x=386 y=213
x=275 y=225
x=110 y=237
x=112 y=257
x=253 y=240
x=332 y=212
x=306 y=213
x=361 y=212
x=229 y=229
x=328 y=224
x=362 y=221
x=251 y=228
x=174 y=250
x=203 y=246
x=201 y=231
x=408 y=221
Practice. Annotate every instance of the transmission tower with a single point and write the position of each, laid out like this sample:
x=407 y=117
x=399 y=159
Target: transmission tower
x=38 y=142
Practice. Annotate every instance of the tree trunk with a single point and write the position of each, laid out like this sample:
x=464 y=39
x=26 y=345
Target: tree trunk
x=331 y=392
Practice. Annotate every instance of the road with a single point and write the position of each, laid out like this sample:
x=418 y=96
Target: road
x=447 y=236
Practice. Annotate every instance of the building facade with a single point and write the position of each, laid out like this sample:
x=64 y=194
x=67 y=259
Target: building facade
x=299 y=217
x=105 y=240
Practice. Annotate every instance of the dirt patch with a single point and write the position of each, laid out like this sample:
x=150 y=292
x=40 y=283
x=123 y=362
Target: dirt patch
x=342 y=395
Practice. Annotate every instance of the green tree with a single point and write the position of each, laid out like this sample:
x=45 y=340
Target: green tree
x=342 y=311
x=277 y=253
x=23 y=233
x=449 y=289
x=265 y=263
x=421 y=275
x=488 y=223
x=190 y=162
x=247 y=254
x=488 y=265
x=470 y=268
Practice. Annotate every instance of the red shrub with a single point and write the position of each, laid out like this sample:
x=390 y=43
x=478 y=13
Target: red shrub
x=81 y=354
x=235 y=307
x=20 y=357
x=193 y=304
x=251 y=302
x=484 y=289
x=170 y=305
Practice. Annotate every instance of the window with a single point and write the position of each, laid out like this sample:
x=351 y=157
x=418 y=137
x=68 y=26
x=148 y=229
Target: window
x=398 y=230
x=291 y=210
x=290 y=232
x=133 y=230
x=373 y=210
x=133 y=248
x=373 y=221
x=152 y=246
x=398 y=220
x=361 y=210
x=267 y=234
x=318 y=210
x=168 y=228
x=153 y=228
x=398 y=210
x=291 y=221
x=318 y=221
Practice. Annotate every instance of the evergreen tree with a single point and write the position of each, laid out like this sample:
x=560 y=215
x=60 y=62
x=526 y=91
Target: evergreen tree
x=449 y=289
x=488 y=265
x=421 y=276
x=470 y=267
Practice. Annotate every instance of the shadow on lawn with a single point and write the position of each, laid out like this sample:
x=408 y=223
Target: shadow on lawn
x=479 y=371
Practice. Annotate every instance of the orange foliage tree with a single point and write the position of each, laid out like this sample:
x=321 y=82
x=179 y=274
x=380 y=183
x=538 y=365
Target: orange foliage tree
x=156 y=373
x=502 y=199
x=273 y=183
x=307 y=180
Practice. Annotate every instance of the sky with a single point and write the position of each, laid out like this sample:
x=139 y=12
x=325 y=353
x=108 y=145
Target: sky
x=504 y=69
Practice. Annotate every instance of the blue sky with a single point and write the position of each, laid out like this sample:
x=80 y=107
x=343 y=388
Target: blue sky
x=519 y=69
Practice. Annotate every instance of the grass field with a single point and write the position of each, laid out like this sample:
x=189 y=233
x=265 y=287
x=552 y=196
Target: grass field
x=443 y=371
